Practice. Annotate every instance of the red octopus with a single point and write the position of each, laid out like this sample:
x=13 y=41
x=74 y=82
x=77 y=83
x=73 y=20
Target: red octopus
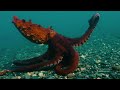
x=60 y=54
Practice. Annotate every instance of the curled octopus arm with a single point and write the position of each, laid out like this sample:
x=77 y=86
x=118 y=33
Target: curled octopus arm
x=80 y=40
x=32 y=60
x=56 y=60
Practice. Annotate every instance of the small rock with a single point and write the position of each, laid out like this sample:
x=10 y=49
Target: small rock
x=41 y=75
x=19 y=77
x=27 y=76
x=30 y=73
x=34 y=75
x=98 y=61
x=98 y=78
x=56 y=76
x=83 y=56
x=77 y=70
x=70 y=75
x=116 y=67
x=65 y=77
x=88 y=66
x=51 y=77
x=14 y=78
x=82 y=69
x=107 y=75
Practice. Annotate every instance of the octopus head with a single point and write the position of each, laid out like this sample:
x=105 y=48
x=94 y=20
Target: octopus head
x=35 y=33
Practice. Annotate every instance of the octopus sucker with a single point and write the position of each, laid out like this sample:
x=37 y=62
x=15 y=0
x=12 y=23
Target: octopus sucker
x=60 y=53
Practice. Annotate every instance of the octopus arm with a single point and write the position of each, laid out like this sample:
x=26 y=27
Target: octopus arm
x=56 y=60
x=92 y=24
x=70 y=65
x=32 y=60
x=79 y=41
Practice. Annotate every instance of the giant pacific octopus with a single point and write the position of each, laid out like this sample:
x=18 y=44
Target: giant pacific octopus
x=60 y=54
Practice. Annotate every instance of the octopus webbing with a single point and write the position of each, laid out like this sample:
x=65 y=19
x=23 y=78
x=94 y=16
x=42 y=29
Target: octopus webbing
x=60 y=53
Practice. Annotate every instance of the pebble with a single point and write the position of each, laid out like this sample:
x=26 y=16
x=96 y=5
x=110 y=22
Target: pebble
x=41 y=75
x=30 y=73
x=56 y=76
x=34 y=75
x=70 y=75
x=98 y=61
x=52 y=77
x=66 y=77
x=82 y=69
x=26 y=76
x=88 y=66
x=77 y=70
x=98 y=78
x=116 y=67
x=16 y=77
x=19 y=77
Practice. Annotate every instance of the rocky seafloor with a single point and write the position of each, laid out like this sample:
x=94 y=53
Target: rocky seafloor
x=99 y=59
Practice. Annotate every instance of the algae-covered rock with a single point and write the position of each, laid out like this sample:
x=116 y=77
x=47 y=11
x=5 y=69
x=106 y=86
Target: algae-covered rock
x=70 y=75
x=116 y=68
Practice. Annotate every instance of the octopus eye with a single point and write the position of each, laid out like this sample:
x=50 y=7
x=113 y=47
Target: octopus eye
x=30 y=20
x=39 y=25
x=23 y=20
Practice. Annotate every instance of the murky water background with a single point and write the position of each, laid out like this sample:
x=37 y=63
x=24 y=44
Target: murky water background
x=99 y=56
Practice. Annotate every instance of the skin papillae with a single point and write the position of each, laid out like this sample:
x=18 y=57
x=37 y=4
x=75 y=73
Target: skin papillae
x=60 y=54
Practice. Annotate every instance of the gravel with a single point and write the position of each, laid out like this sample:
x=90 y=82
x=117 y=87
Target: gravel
x=99 y=59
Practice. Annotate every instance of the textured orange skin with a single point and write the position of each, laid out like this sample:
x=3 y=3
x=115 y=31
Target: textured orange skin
x=34 y=32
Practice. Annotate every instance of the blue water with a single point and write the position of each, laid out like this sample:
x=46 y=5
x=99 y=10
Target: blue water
x=100 y=53
x=68 y=23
